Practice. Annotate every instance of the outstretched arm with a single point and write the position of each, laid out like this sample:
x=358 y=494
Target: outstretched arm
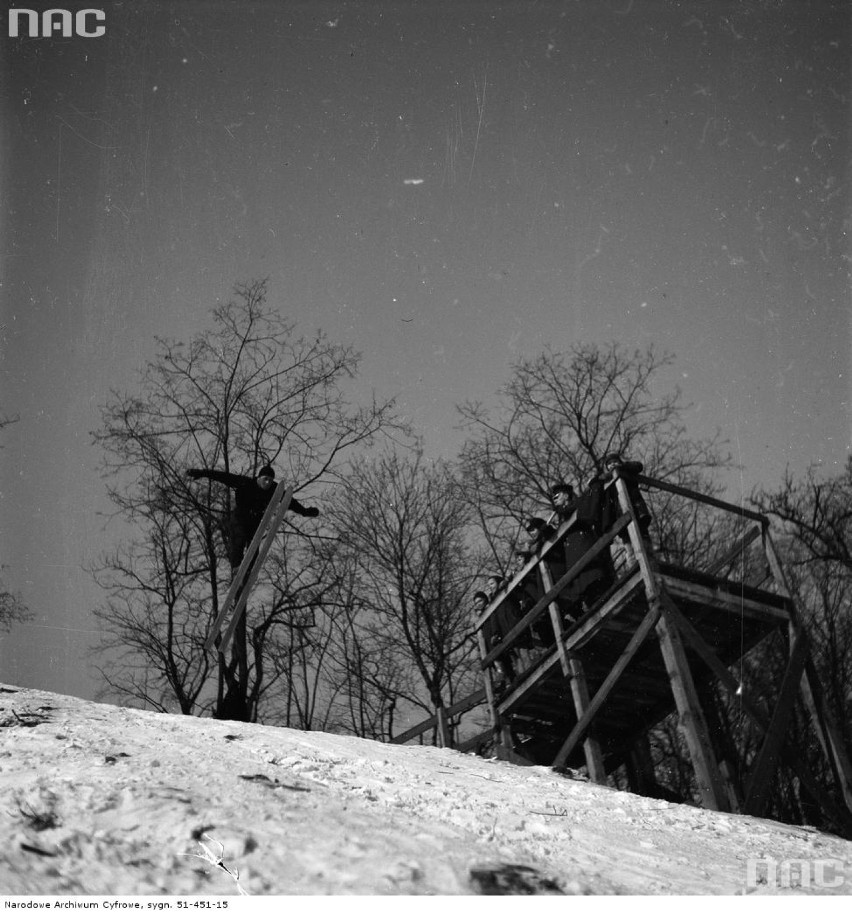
x=298 y=508
x=226 y=478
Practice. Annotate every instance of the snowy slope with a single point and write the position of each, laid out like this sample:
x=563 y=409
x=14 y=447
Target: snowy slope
x=99 y=799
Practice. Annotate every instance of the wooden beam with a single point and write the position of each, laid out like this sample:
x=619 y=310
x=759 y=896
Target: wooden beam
x=444 y=738
x=704 y=499
x=692 y=721
x=467 y=703
x=555 y=618
x=591 y=746
x=726 y=752
x=760 y=778
x=475 y=741
x=539 y=608
x=790 y=758
x=722 y=599
x=607 y=685
x=743 y=543
x=646 y=561
x=489 y=685
x=577 y=635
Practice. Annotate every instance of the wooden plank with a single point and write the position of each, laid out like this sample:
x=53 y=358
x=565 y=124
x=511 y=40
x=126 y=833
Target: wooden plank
x=444 y=737
x=760 y=778
x=577 y=635
x=262 y=551
x=475 y=741
x=722 y=599
x=468 y=703
x=591 y=746
x=555 y=618
x=281 y=493
x=754 y=593
x=539 y=608
x=489 y=685
x=734 y=552
x=692 y=721
x=637 y=542
x=702 y=498
x=788 y=755
x=529 y=567
x=608 y=684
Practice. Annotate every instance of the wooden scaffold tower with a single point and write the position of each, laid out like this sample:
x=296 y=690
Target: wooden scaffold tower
x=656 y=642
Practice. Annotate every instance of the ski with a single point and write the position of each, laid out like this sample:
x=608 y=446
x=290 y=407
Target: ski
x=249 y=568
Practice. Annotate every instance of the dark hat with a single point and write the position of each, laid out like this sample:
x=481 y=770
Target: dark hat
x=612 y=458
x=534 y=524
x=480 y=595
x=266 y=471
x=560 y=488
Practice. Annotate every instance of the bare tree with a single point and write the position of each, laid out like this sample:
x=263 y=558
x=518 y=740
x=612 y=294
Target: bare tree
x=404 y=529
x=558 y=417
x=818 y=513
x=815 y=519
x=366 y=676
x=12 y=609
x=246 y=392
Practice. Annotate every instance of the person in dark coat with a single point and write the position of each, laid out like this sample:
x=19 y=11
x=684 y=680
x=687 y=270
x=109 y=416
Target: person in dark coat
x=529 y=591
x=628 y=470
x=251 y=498
x=597 y=576
x=539 y=533
x=493 y=633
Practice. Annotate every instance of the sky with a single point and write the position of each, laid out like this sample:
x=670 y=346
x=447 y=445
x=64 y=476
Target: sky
x=447 y=186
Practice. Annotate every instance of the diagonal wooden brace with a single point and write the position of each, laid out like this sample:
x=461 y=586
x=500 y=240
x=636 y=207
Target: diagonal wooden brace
x=607 y=685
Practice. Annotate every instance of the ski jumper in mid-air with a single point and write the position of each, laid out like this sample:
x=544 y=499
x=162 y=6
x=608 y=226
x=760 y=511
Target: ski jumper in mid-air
x=251 y=498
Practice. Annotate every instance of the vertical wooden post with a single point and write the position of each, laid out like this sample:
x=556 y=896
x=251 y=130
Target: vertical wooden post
x=722 y=746
x=555 y=619
x=591 y=746
x=486 y=677
x=573 y=668
x=646 y=561
x=634 y=644
x=692 y=721
x=500 y=729
x=444 y=738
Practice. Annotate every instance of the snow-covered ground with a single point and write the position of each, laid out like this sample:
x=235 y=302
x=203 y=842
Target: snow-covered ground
x=102 y=800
